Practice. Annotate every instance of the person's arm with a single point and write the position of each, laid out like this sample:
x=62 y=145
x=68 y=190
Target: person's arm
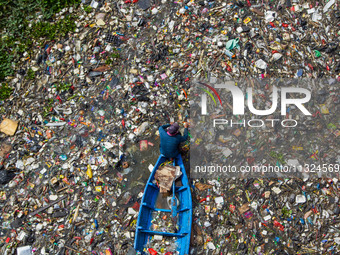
x=185 y=135
x=165 y=126
x=162 y=128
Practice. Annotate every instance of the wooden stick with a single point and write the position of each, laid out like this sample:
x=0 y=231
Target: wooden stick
x=73 y=249
x=62 y=189
x=105 y=172
x=47 y=206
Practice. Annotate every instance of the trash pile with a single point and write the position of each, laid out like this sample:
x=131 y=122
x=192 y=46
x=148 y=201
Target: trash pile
x=87 y=103
x=162 y=245
x=302 y=144
x=267 y=216
x=163 y=222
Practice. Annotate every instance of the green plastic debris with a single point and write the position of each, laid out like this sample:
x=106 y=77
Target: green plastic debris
x=233 y=43
x=317 y=53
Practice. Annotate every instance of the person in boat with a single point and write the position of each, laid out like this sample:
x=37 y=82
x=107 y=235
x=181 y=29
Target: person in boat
x=171 y=139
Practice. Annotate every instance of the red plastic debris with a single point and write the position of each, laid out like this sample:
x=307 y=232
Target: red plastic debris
x=136 y=206
x=232 y=208
x=279 y=225
x=59 y=99
x=152 y=251
x=202 y=200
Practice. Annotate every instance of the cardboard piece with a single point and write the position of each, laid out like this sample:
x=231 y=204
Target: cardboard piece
x=244 y=208
x=9 y=127
x=165 y=176
x=5 y=149
x=202 y=186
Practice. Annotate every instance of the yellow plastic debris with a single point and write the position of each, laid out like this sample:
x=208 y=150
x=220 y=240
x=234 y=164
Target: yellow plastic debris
x=89 y=171
x=247 y=20
x=324 y=109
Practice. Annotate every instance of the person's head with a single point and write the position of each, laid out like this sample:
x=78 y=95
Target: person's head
x=173 y=129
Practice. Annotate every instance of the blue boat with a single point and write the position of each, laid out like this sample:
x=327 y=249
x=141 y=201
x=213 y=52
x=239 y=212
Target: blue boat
x=182 y=211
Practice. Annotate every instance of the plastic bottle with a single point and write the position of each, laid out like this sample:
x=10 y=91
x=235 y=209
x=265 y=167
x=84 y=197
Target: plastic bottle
x=122 y=142
x=16 y=180
x=141 y=129
x=89 y=171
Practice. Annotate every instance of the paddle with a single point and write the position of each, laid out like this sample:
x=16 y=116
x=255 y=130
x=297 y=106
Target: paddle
x=174 y=204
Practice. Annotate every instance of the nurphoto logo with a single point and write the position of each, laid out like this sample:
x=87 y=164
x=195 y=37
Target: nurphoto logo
x=239 y=105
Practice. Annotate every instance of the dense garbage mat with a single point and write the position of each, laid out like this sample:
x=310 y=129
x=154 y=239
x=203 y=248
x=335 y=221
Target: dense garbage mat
x=161 y=245
x=79 y=127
